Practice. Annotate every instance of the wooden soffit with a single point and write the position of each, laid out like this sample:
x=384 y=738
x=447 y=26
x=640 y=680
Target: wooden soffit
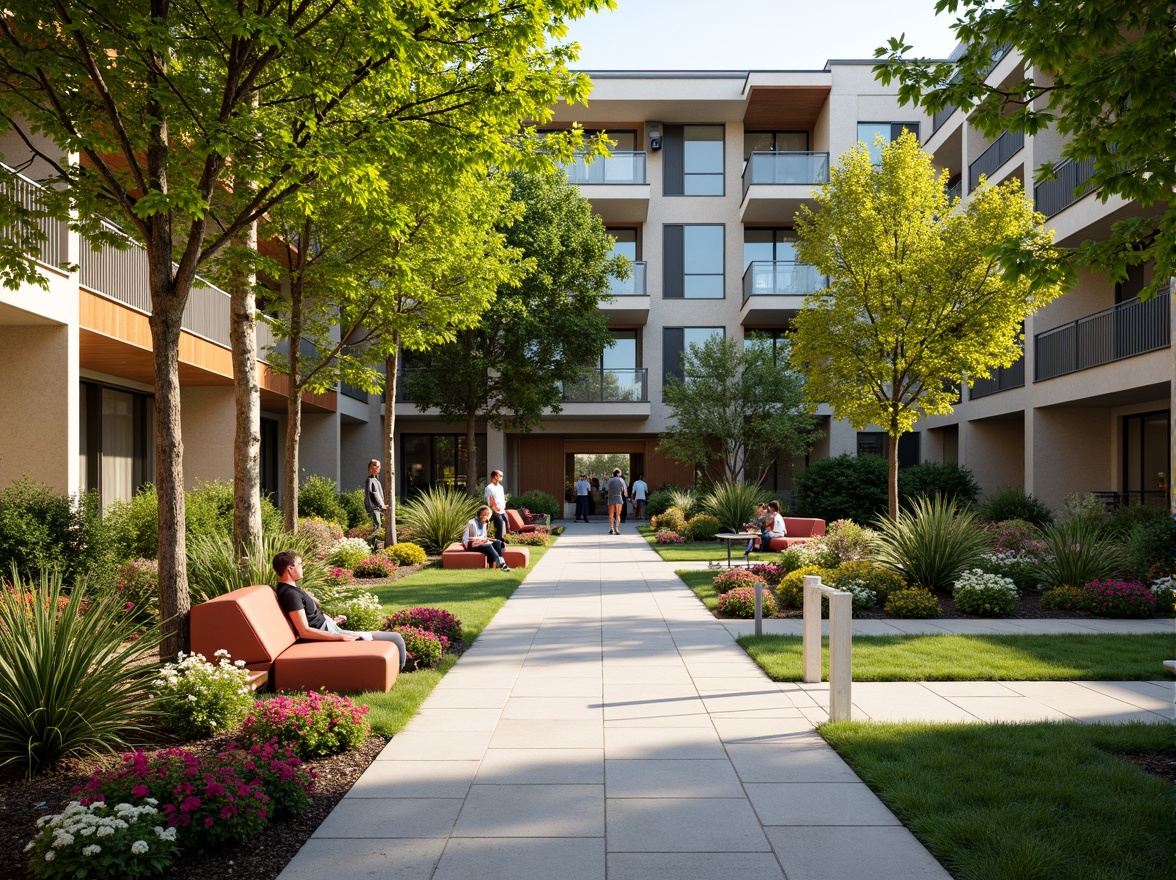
x=784 y=108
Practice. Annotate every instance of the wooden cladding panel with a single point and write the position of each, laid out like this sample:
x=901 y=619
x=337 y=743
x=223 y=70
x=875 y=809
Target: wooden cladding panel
x=541 y=465
x=779 y=108
x=659 y=469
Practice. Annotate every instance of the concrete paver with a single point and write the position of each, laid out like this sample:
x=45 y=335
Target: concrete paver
x=605 y=725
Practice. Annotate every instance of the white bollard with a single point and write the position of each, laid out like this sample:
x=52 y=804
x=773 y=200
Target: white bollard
x=840 y=643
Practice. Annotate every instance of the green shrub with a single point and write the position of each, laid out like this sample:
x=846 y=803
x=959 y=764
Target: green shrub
x=376 y=566
x=671 y=520
x=1148 y=547
x=70 y=682
x=536 y=502
x=137 y=588
x=319 y=534
x=406 y=553
x=880 y=579
x=863 y=599
x=740 y=602
x=932 y=478
x=1077 y=551
x=1011 y=502
x=41 y=531
x=1064 y=597
x=1165 y=592
x=319 y=496
x=685 y=500
x=790 y=592
x=311 y=725
x=134 y=525
x=361 y=608
x=1021 y=569
x=213 y=569
x=352 y=502
x=347 y=553
x=733 y=504
x=660 y=500
x=703 y=527
x=912 y=603
x=424 y=647
x=1087 y=505
x=931 y=544
x=1127 y=517
x=728 y=580
x=198 y=699
x=809 y=553
x=987 y=595
x=847 y=541
x=62 y=846
x=435 y=518
x=843 y=487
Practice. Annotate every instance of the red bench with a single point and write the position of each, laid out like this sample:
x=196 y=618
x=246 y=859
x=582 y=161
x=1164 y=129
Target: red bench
x=798 y=530
x=456 y=556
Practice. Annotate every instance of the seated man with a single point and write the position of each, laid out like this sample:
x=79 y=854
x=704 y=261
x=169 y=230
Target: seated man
x=307 y=615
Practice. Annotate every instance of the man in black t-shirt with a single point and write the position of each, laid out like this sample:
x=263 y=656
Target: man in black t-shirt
x=306 y=615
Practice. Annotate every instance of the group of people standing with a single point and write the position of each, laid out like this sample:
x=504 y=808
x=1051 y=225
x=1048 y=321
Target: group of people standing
x=616 y=492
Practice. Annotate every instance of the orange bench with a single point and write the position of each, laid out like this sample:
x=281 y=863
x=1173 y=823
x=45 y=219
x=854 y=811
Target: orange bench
x=456 y=556
x=251 y=626
x=514 y=523
x=798 y=530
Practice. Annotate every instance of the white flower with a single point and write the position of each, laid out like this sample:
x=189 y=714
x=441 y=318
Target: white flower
x=106 y=830
x=50 y=856
x=139 y=847
x=63 y=838
x=92 y=850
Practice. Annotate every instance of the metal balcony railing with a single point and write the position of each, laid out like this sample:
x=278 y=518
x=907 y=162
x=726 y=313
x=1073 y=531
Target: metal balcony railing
x=999 y=151
x=1002 y=379
x=781 y=278
x=621 y=167
x=608 y=386
x=634 y=285
x=780 y=168
x=1125 y=330
x=28 y=196
x=1067 y=187
x=941 y=116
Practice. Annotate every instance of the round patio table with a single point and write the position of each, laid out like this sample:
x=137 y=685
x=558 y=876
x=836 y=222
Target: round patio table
x=731 y=537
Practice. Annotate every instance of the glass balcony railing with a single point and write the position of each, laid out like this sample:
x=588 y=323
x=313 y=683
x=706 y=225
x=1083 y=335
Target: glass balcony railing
x=779 y=168
x=999 y=151
x=1068 y=186
x=608 y=386
x=955 y=191
x=619 y=168
x=634 y=285
x=781 y=278
x=1125 y=330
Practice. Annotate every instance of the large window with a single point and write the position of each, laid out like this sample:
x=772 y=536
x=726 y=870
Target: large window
x=675 y=342
x=1146 y=465
x=439 y=460
x=117 y=441
x=768 y=245
x=693 y=262
x=890 y=131
x=777 y=339
x=692 y=160
x=774 y=142
x=878 y=443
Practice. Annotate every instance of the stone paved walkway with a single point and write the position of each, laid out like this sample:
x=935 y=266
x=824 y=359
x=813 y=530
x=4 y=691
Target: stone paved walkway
x=605 y=725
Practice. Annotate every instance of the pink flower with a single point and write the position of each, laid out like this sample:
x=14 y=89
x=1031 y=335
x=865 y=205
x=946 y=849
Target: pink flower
x=140 y=791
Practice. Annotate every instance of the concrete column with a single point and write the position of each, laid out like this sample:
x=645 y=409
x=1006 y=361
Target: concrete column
x=319 y=450
x=1070 y=450
x=496 y=460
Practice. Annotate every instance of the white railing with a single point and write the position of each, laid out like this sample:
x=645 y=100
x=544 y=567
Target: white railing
x=27 y=193
x=840 y=643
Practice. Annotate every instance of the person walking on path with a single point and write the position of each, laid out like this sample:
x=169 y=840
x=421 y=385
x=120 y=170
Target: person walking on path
x=373 y=503
x=306 y=615
x=639 y=492
x=616 y=489
x=583 y=487
x=496 y=501
x=475 y=538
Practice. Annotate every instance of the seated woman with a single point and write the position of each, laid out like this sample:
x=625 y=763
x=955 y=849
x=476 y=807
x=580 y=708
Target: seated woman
x=773 y=526
x=307 y=617
x=757 y=525
x=474 y=538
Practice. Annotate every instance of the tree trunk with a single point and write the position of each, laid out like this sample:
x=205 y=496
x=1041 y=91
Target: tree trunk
x=892 y=474
x=247 y=397
x=293 y=410
x=472 y=455
x=390 y=366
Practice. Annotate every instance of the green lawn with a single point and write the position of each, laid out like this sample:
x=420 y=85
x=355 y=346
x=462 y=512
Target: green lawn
x=474 y=595
x=1021 y=801
x=978 y=657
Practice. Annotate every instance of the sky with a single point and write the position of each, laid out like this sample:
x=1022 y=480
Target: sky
x=753 y=34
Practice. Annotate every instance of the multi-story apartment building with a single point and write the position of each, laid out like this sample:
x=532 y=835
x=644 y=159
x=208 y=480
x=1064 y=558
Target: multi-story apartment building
x=707 y=173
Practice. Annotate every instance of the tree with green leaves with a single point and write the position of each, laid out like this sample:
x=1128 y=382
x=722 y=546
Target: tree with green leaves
x=735 y=409
x=917 y=300
x=1098 y=72
x=540 y=332
x=146 y=110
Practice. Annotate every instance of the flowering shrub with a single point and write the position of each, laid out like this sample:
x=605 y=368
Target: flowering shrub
x=990 y=595
x=673 y=520
x=1165 y=593
x=811 y=553
x=102 y=841
x=197 y=699
x=912 y=602
x=286 y=781
x=348 y=552
x=556 y=531
x=26 y=600
x=374 y=567
x=790 y=592
x=703 y=527
x=363 y=532
x=310 y=725
x=337 y=577
x=735 y=577
x=320 y=534
x=360 y=608
x=847 y=540
x=435 y=620
x=1021 y=567
x=665 y=536
x=769 y=571
x=881 y=580
x=137 y=586
x=863 y=596
x=1110 y=598
x=537 y=538
x=406 y=553
x=424 y=647
x=1014 y=536
x=1064 y=597
x=740 y=602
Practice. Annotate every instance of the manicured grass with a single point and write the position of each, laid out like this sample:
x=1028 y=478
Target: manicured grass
x=707 y=551
x=703 y=585
x=1043 y=801
x=474 y=595
x=1114 y=657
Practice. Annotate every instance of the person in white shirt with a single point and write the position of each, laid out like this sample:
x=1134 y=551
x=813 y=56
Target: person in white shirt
x=583 y=487
x=496 y=501
x=474 y=538
x=774 y=527
x=639 y=492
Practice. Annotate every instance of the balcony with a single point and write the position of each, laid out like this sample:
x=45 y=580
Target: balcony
x=999 y=151
x=630 y=298
x=606 y=394
x=775 y=184
x=1002 y=379
x=27 y=194
x=773 y=292
x=955 y=191
x=616 y=185
x=1068 y=186
x=1122 y=331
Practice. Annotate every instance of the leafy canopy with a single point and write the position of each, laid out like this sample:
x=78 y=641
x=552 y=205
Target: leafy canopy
x=735 y=410
x=1099 y=73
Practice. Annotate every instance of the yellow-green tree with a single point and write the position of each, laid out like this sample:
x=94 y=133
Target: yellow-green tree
x=917 y=300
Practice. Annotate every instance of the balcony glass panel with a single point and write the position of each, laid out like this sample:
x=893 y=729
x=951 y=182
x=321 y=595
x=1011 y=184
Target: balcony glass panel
x=634 y=285
x=775 y=168
x=619 y=168
x=607 y=386
x=781 y=278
